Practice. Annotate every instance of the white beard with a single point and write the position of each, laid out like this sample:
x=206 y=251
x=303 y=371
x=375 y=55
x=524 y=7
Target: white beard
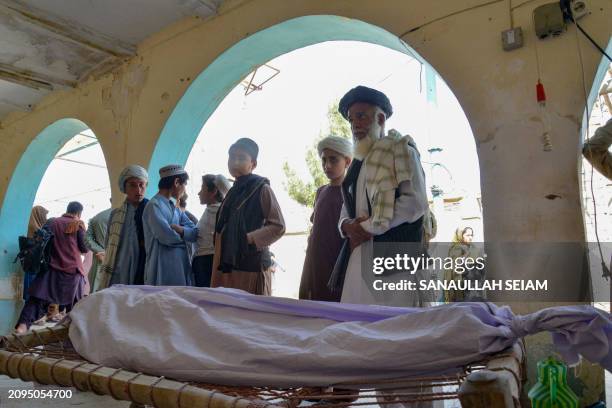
x=362 y=147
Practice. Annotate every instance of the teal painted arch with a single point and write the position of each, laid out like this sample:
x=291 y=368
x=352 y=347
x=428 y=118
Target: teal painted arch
x=24 y=183
x=212 y=85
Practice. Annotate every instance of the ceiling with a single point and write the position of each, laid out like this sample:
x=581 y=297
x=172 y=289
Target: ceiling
x=47 y=45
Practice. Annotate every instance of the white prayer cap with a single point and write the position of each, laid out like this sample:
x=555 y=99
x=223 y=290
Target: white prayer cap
x=222 y=184
x=133 y=170
x=337 y=144
x=171 y=170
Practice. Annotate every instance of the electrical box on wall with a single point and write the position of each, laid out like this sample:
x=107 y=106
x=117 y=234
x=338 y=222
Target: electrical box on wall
x=579 y=9
x=512 y=39
x=548 y=20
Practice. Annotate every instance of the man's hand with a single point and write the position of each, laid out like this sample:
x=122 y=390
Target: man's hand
x=355 y=233
x=100 y=256
x=178 y=229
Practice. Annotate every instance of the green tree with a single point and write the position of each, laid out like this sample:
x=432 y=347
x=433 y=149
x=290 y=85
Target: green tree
x=303 y=191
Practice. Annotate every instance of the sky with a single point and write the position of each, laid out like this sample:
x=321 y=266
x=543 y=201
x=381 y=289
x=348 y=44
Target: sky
x=70 y=180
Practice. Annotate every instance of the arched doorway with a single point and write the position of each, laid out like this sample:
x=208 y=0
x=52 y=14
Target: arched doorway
x=212 y=85
x=596 y=189
x=50 y=147
x=203 y=100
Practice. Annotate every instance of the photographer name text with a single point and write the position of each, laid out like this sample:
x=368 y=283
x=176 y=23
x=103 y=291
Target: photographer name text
x=490 y=285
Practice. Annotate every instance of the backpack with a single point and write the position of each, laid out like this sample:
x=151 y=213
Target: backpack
x=34 y=253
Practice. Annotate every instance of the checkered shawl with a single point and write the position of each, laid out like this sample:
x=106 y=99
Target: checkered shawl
x=387 y=165
x=115 y=224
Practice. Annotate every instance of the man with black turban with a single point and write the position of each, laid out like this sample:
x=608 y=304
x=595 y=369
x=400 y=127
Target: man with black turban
x=385 y=202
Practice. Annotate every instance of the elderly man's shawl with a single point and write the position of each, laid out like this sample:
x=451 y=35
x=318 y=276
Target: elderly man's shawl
x=228 y=336
x=387 y=165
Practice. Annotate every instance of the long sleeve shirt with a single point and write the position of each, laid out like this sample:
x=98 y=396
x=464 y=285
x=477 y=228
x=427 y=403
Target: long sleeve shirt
x=66 y=249
x=206 y=231
x=167 y=259
x=274 y=224
x=96 y=231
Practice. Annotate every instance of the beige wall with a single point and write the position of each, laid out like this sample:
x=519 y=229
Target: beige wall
x=128 y=108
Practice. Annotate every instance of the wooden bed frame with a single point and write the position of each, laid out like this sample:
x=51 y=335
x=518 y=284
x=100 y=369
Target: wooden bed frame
x=46 y=356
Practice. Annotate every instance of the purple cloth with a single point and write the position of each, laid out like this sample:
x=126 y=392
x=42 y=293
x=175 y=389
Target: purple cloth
x=227 y=336
x=576 y=330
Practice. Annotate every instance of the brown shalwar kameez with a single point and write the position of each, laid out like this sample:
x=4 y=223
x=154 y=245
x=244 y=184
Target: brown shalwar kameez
x=258 y=283
x=324 y=244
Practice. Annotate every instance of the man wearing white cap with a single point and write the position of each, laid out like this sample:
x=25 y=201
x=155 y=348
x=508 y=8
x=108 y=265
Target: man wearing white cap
x=166 y=229
x=213 y=191
x=124 y=258
x=324 y=241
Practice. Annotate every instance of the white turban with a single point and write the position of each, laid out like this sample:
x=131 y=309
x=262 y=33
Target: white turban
x=337 y=144
x=133 y=170
x=222 y=184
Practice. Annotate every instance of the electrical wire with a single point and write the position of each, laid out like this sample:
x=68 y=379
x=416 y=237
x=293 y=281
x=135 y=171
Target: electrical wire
x=535 y=47
x=546 y=127
x=568 y=14
x=591 y=40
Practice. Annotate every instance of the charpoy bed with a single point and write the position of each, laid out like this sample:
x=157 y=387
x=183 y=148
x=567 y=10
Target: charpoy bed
x=47 y=356
x=201 y=347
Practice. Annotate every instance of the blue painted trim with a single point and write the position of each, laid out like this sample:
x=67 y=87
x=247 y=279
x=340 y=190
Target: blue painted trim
x=222 y=75
x=20 y=194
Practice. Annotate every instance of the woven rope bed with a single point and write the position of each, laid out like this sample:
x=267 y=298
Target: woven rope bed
x=47 y=357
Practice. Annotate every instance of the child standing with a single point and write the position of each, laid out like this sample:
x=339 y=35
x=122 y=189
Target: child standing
x=213 y=191
x=249 y=221
x=324 y=242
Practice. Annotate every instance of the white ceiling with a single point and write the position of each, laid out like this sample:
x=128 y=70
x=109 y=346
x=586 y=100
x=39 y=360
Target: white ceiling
x=47 y=45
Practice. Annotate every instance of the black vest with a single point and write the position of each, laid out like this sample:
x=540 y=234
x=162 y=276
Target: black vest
x=246 y=215
x=252 y=215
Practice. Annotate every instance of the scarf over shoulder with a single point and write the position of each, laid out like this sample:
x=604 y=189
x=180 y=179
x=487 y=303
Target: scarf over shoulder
x=387 y=165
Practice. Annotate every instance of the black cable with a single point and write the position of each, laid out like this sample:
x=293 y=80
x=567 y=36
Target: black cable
x=591 y=40
x=568 y=15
